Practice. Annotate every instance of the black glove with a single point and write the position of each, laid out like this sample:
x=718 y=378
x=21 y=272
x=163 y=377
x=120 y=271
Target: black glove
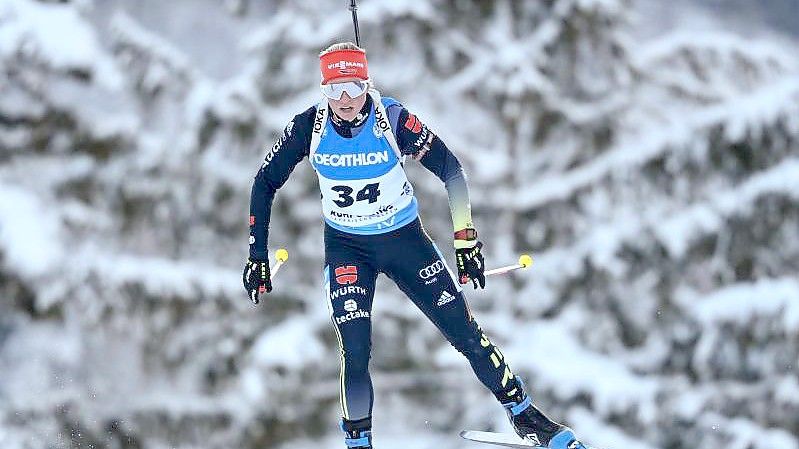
x=471 y=265
x=257 y=279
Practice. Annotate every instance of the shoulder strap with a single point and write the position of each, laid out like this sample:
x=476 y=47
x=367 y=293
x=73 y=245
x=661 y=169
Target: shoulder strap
x=319 y=123
x=381 y=118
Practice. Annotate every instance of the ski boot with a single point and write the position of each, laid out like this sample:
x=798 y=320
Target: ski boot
x=532 y=425
x=357 y=434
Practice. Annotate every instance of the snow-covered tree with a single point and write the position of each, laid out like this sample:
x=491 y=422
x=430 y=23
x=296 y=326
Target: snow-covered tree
x=655 y=182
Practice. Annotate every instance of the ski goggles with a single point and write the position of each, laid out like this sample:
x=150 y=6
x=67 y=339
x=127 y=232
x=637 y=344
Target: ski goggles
x=334 y=91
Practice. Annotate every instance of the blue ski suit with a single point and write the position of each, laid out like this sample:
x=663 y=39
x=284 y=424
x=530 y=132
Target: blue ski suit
x=357 y=169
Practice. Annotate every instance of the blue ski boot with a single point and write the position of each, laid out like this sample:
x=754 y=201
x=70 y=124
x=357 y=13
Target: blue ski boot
x=357 y=434
x=532 y=425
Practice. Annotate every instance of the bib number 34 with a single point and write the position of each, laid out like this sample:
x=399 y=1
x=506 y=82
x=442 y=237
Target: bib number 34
x=369 y=192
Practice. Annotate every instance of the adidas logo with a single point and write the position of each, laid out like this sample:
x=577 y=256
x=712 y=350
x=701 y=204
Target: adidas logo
x=445 y=298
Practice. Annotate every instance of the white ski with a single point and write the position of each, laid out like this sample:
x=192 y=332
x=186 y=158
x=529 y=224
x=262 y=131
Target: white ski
x=498 y=439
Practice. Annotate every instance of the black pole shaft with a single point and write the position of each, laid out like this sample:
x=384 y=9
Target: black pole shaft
x=354 y=9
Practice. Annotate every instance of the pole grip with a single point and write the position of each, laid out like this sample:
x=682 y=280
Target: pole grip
x=275 y=269
x=281 y=256
x=503 y=270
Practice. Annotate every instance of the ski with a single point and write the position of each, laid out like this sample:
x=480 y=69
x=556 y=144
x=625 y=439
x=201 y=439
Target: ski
x=498 y=439
x=513 y=441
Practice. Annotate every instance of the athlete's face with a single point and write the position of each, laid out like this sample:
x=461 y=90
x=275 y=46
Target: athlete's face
x=347 y=108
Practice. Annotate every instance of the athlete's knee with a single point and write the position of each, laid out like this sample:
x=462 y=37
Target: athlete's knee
x=475 y=344
x=470 y=347
x=356 y=357
x=472 y=344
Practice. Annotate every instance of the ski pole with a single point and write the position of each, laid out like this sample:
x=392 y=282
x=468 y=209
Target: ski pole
x=282 y=256
x=524 y=261
x=354 y=9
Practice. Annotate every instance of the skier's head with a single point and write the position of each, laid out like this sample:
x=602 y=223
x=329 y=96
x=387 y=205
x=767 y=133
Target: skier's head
x=345 y=78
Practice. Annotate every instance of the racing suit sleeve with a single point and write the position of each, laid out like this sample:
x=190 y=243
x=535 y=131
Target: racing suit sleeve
x=289 y=149
x=416 y=140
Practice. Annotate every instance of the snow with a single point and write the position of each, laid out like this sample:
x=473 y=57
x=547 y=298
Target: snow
x=677 y=231
x=53 y=34
x=48 y=32
x=30 y=240
x=43 y=356
x=630 y=156
x=601 y=434
x=745 y=433
x=560 y=363
x=690 y=405
x=726 y=44
x=740 y=303
x=788 y=390
x=160 y=277
x=131 y=31
x=130 y=134
x=288 y=345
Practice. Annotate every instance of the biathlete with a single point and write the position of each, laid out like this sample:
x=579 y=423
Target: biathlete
x=356 y=140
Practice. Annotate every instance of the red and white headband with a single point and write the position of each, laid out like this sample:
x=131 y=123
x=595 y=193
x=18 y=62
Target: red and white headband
x=346 y=63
